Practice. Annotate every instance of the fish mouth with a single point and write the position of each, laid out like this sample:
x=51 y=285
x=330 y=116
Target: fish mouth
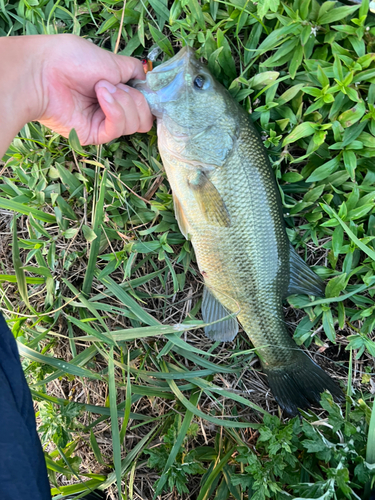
x=164 y=83
x=172 y=65
x=181 y=58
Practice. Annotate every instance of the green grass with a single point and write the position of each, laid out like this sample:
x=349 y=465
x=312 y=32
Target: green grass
x=99 y=276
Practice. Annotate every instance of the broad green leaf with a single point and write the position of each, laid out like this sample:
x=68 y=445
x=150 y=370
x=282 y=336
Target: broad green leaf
x=161 y=40
x=328 y=325
x=359 y=212
x=368 y=251
x=303 y=130
x=324 y=170
x=160 y=8
x=292 y=177
x=128 y=403
x=197 y=13
x=314 y=194
x=75 y=143
x=108 y=24
x=44 y=271
x=89 y=234
x=71 y=489
x=370 y=448
x=350 y=162
x=367 y=140
x=336 y=14
x=296 y=61
x=352 y=115
x=263 y=79
x=337 y=240
x=131 y=46
x=335 y=286
x=95 y=448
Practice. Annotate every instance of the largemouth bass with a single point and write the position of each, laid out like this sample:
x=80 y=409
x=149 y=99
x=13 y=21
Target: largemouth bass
x=227 y=203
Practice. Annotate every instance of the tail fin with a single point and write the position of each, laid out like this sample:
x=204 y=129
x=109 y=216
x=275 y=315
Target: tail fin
x=300 y=384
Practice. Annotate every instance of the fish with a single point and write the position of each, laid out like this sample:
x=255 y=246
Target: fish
x=227 y=203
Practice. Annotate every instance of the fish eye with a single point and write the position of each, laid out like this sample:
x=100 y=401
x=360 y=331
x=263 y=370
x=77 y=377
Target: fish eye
x=199 y=81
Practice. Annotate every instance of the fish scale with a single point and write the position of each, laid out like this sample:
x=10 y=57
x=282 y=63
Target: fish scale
x=228 y=204
x=254 y=260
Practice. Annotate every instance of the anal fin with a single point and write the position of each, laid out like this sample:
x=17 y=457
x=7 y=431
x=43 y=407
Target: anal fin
x=212 y=310
x=303 y=280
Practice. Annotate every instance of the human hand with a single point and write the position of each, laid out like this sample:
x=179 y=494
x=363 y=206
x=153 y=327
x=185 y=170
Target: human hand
x=71 y=83
x=83 y=88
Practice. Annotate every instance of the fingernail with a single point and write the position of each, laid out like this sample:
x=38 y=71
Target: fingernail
x=107 y=85
x=107 y=96
x=123 y=87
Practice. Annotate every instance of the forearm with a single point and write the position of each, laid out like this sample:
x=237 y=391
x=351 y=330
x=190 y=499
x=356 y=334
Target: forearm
x=20 y=99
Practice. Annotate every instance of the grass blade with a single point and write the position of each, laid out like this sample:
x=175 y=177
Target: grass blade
x=20 y=208
x=128 y=403
x=189 y=406
x=100 y=410
x=95 y=448
x=95 y=244
x=180 y=438
x=80 y=360
x=12 y=278
x=217 y=469
x=17 y=263
x=129 y=459
x=56 y=363
x=125 y=298
x=94 y=334
x=370 y=449
x=114 y=422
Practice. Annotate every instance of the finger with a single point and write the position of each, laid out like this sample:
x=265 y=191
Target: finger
x=128 y=97
x=129 y=68
x=145 y=115
x=132 y=119
x=126 y=111
x=121 y=113
x=112 y=124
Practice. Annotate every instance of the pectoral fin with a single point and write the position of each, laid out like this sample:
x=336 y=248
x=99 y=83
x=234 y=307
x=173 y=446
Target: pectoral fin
x=180 y=217
x=209 y=200
x=212 y=310
x=303 y=280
